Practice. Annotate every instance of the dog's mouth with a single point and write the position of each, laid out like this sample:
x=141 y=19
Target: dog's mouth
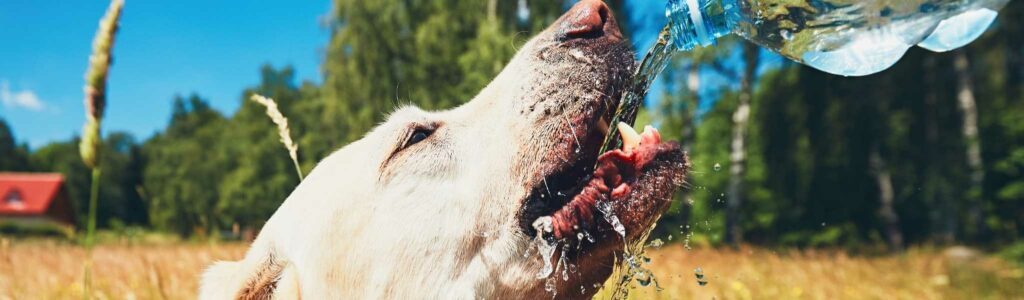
x=623 y=190
x=581 y=194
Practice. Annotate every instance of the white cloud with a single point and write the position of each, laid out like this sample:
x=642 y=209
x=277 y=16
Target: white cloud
x=26 y=99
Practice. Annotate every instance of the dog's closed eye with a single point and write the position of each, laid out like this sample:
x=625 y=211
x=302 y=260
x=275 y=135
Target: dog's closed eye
x=417 y=134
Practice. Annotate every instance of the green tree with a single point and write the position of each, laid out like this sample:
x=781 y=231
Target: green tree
x=120 y=200
x=435 y=54
x=12 y=156
x=258 y=174
x=185 y=169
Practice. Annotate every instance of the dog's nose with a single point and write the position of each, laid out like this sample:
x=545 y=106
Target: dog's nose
x=588 y=19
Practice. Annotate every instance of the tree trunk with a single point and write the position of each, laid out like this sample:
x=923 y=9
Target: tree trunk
x=689 y=130
x=689 y=133
x=944 y=219
x=969 y=114
x=492 y=10
x=890 y=219
x=738 y=155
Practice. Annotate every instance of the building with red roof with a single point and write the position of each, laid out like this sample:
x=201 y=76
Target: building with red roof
x=34 y=197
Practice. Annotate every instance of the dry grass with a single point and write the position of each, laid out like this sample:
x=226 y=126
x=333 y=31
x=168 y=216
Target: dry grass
x=283 y=131
x=51 y=270
x=752 y=273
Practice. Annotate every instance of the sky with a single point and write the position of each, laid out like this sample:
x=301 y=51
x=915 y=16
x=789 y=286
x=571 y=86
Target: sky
x=168 y=48
x=164 y=48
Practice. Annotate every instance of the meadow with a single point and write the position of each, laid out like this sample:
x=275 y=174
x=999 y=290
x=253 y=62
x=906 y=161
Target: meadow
x=50 y=269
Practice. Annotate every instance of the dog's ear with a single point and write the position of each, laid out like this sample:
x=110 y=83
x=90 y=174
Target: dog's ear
x=247 y=279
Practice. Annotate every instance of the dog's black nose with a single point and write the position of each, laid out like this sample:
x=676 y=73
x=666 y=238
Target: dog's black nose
x=588 y=19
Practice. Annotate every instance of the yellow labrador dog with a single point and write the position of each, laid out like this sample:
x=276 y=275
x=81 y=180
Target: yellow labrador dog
x=443 y=204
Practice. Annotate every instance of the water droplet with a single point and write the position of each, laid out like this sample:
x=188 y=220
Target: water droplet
x=562 y=263
x=656 y=243
x=549 y=286
x=643 y=279
x=718 y=167
x=822 y=224
x=699 y=274
x=590 y=238
x=786 y=34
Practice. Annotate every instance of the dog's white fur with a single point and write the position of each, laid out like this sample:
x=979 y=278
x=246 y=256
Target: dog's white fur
x=436 y=219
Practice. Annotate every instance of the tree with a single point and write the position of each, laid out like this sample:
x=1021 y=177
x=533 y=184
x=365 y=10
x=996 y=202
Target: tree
x=678 y=114
x=737 y=159
x=12 y=156
x=435 y=54
x=969 y=119
x=121 y=203
x=258 y=174
x=185 y=169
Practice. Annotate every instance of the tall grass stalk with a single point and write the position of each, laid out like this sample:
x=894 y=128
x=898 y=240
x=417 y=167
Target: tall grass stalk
x=95 y=102
x=282 y=129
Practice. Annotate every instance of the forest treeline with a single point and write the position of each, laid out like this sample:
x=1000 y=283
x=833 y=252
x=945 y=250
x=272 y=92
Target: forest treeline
x=929 y=151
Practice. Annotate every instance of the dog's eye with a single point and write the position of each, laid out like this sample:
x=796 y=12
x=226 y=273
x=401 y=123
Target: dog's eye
x=417 y=135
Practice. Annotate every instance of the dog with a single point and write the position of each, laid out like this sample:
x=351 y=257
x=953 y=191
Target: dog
x=457 y=203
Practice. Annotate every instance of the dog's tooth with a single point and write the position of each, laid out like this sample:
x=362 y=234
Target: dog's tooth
x=630 y=138
x=651 y=135
x=649 y=130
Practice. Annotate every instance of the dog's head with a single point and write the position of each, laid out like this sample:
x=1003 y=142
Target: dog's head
x=448 y=200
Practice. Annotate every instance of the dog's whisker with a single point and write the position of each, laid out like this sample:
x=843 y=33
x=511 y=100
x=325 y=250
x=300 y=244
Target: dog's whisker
x=579 y=146
x=546 y=186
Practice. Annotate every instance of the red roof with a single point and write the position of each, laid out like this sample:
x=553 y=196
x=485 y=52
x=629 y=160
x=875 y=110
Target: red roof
x=28 y=193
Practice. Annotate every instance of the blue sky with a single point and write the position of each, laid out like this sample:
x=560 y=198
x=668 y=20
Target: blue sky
x=213 y=48
x=164 y=48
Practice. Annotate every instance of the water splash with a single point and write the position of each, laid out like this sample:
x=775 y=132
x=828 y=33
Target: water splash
x=652 y=64
x=605 y=208
x=545 y=248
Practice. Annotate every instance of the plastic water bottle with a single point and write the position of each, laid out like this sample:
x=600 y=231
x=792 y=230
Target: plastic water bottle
x=844 y=37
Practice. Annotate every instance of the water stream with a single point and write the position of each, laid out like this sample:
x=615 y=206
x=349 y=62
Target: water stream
x=633 y=95
x=630 y=268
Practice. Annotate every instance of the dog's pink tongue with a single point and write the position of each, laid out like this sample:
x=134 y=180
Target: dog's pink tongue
x=616 y=169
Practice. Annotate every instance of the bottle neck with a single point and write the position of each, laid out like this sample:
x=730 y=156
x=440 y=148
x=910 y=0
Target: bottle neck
x=699 y=22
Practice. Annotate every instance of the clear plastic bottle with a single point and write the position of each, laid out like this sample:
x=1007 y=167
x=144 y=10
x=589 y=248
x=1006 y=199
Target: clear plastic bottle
x=844 y=37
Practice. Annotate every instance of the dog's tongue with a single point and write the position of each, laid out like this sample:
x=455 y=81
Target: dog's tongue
x=615 y=171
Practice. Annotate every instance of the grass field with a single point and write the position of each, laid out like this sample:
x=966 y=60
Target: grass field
x=44 y=269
